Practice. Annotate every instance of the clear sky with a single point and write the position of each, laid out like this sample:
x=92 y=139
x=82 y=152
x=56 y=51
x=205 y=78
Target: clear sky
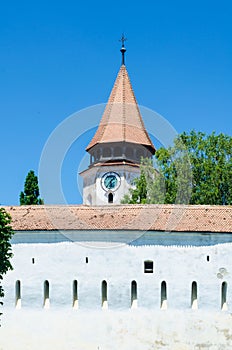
x=58 y=57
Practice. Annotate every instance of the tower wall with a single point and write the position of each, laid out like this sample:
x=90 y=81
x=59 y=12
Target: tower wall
x=94 y=191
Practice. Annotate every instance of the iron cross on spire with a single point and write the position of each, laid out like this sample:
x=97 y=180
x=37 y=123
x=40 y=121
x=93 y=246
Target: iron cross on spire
x=123 y=49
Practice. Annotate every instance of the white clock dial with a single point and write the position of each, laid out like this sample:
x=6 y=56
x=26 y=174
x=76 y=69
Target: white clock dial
x=110 y=181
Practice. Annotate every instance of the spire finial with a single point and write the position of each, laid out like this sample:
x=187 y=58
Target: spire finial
x=123 y=49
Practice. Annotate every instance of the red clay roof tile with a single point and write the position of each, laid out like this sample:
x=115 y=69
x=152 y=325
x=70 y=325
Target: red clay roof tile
x=121 y=120
x=180 y=218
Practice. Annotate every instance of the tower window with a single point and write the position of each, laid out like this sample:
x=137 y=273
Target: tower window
x=106 y=152
x=148 y=266
x=110 y=198
x=98 y=154
x=207 y=258
x=118 y=152
x=139 y=154
x=129 y=152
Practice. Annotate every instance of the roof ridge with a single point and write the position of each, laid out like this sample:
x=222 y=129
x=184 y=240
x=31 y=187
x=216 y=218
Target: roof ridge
x=123 y=106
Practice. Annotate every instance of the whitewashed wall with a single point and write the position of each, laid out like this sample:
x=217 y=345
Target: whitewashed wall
x=61 y=263
x=92 y=183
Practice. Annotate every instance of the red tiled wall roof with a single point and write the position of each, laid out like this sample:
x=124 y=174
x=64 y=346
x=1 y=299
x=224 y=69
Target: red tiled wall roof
x=200 y=218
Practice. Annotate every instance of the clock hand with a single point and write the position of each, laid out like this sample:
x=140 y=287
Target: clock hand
x=111 y=182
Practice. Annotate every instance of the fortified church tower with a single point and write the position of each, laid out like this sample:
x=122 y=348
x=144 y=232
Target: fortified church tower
x=117 y=146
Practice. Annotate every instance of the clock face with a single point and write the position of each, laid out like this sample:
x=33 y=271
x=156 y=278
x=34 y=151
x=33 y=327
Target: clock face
x=110 y=181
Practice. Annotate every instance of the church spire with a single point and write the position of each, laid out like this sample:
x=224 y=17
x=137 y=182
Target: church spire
x=123 y=49
x=118 y=145
x=121 y=120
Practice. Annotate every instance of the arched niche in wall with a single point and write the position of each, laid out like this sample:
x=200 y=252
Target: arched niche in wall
x=46 y=302
x=224 y=305
x=75 y=294
x=194 y=301
x=104 y=295
x=163 y=296
x=18 y=294
x=134 y=298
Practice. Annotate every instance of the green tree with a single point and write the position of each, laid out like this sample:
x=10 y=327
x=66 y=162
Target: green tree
x=149 y=186
x=30 y=195
x=139 y=193
x=6 y=233
x=211 y=162
x=175 y=168
x=197 y=169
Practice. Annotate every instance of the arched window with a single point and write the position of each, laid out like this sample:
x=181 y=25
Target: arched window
x=104 y=295
x=139 y=154
x=46 y=303
x=163 y=303
x=75 y=294
x=117 y=152
x=110 y=197
x=194 y=302
x=107 y=152
x=89 y=199
x=18 y=294
x=224 y=306
x=97 y=155
x=134 y=300
x=129 y=152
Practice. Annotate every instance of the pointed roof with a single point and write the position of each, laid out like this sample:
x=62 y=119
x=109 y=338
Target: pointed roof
x=121 y=120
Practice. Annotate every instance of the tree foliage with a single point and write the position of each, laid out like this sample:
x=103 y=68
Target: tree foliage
x=146 y=187
x=30 y=195
x=6 y=233
x=197 y=169
x=139 y=193
x=211 y=161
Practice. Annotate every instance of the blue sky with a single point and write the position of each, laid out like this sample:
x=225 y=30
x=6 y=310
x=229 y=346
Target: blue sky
x=58 y=57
